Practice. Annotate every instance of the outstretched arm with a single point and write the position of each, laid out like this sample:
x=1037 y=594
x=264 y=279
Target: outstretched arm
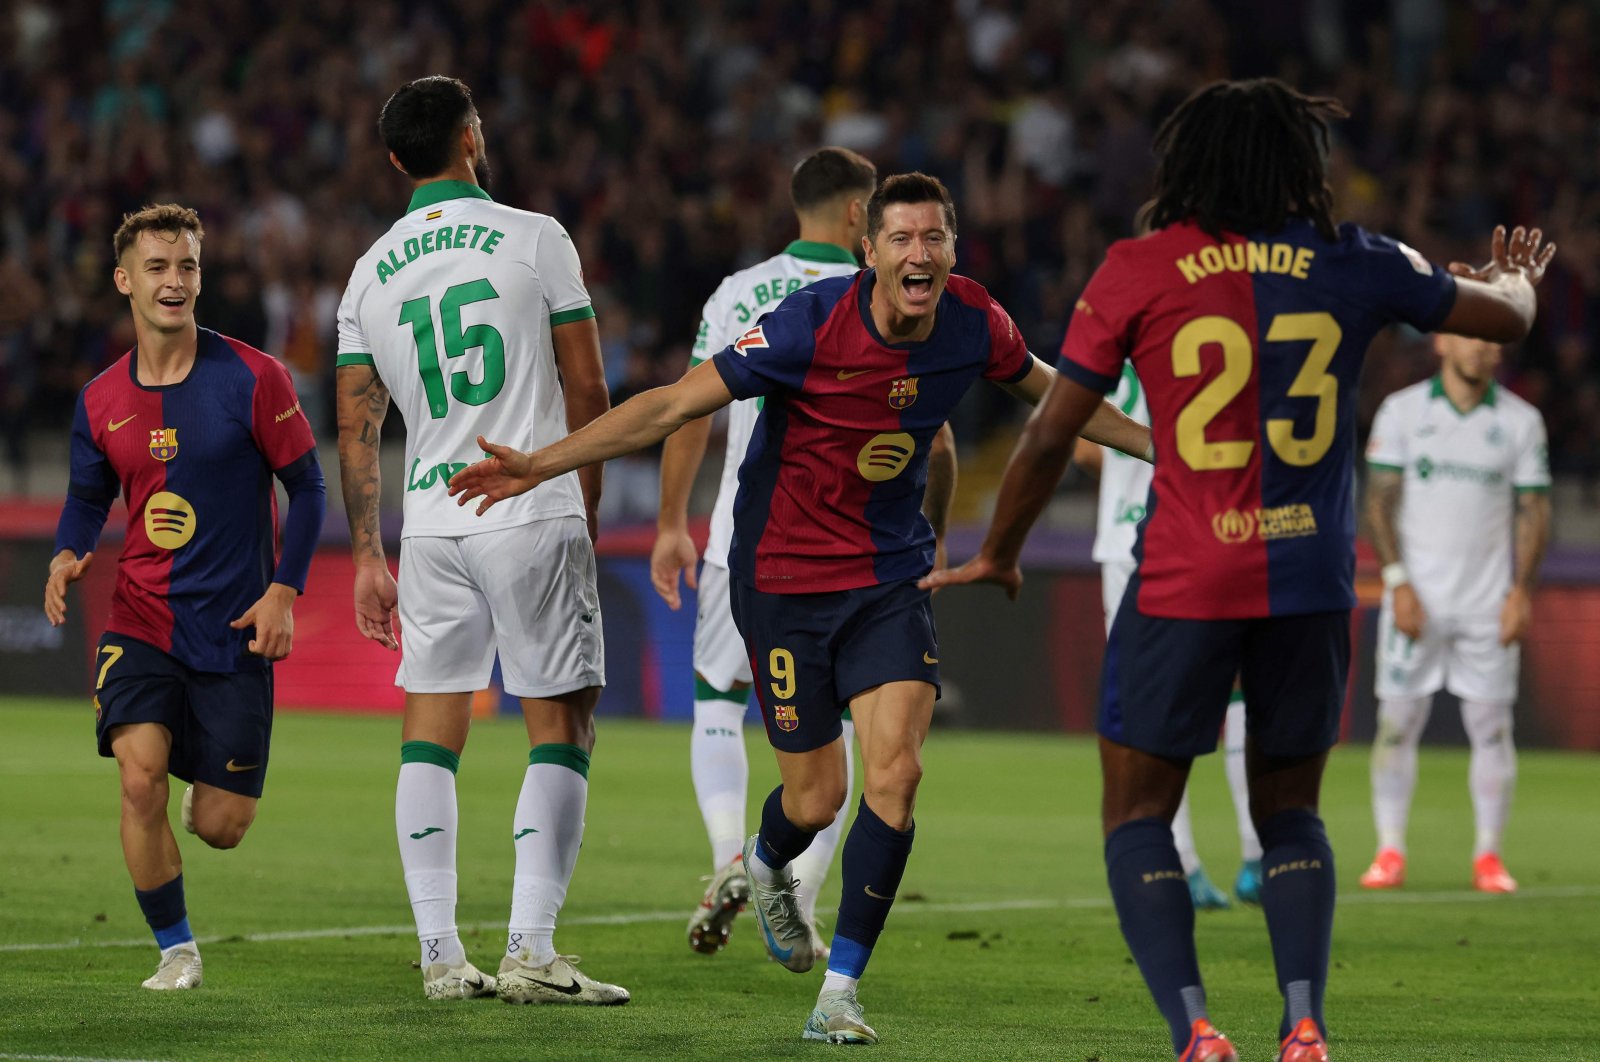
x=641 y=421
x=1108 y=426
x=1031 y=476
x=363 y=401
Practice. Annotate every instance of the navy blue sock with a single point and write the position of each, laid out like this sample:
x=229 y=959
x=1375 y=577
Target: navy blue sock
x=780 y=841
x=1297 y=894
x=1157 y=917
x=873 y=863
x=164 y=910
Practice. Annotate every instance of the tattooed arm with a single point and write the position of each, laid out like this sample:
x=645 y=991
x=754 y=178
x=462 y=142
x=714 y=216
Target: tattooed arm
x=1383 y=509
x=363 y=401
x=1532 y=534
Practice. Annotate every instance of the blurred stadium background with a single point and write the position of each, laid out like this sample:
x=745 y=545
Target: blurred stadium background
x=661 y=135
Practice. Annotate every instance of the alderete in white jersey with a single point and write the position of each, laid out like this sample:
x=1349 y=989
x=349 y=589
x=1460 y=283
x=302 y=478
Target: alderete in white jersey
x=733 y=309
x=1124 y=481
x=453 y=308
x=1456 y=504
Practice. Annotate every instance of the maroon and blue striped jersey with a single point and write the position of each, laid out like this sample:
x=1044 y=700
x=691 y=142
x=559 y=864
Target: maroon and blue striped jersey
x=830 y=490
x=194 y=462
x=1249 y=348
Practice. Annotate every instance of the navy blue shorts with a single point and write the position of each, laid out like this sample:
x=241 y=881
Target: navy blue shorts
x=1166 y=682
x=811 y=653
x=221 y=723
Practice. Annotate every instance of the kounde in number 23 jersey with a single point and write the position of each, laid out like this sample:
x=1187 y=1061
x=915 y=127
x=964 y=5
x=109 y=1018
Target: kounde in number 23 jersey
x=1249 y=348
x=453 y=307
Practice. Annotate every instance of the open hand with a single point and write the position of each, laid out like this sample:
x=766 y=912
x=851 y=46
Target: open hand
x=505 y=473
x=377 y=599
x=65 y=568
x=980 y=569
x=1520 y=253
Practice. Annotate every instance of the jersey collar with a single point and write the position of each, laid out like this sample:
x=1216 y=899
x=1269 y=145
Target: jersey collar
x=433 y=192
x=1437 y=391
x=812 y=251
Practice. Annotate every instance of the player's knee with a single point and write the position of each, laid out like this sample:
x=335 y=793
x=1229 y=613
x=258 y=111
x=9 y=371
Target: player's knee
x=225 y=830
x=144 y=792
x=818 y=806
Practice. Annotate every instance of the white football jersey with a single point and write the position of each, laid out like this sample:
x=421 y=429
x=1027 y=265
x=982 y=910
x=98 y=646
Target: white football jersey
x=1124 y=481
x=733 y=309
x=1461 y=471
x=453 y=307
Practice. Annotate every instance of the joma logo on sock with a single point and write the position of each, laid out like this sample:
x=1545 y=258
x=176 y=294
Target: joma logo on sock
x=1295 y=864
x=1164 y=875
x=424 y=833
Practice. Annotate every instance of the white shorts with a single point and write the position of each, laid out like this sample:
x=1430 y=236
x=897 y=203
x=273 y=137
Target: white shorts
x=719 y=652
x=527 y=592
x=1462 y=655
x=1114 y=576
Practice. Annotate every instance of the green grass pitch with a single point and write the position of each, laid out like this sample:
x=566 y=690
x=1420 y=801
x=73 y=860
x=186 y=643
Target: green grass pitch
x=1003 y=945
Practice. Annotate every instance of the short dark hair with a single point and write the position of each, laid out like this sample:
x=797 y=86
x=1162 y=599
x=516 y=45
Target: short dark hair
x=420 y=121
x=912 y=187
x=828 y=173
x=157 y=217
x=1244 y=156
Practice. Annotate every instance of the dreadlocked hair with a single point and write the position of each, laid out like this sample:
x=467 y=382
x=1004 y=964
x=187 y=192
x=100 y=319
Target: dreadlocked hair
x=1244 y=156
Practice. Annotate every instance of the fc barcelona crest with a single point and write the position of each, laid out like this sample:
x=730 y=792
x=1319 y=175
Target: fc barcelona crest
x=163 y=443
x=786 y=717
x=903 y=392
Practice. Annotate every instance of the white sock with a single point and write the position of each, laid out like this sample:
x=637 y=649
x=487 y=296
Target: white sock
x=1493 y=773
x=720 y=768
x=1239 y=780
x=547 y=832
x=838 y=982
x=185 y=945
x=811 y=866
x=1394 y=765
x=1183 y=836
x=425 y=825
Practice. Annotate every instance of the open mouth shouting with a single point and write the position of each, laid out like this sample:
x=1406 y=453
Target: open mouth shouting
x=918 y=288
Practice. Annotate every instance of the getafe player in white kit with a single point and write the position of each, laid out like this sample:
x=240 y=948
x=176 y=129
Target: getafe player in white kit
x=466 y=311
x=829 y=189
x=1458 y=499
x=1124 y=489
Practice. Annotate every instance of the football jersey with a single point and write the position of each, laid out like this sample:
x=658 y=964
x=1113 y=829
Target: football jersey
x=738 y=303
x=1124 y=481
x=194 y=462
x=1461 y=471
x=453 y=308
x=830 y=491
x=1248 y=348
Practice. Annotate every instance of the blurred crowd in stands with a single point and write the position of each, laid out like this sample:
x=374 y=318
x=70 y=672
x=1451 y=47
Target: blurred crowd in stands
x=662 y=134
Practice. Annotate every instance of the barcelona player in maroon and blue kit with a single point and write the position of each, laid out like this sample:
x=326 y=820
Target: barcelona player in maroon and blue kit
x=858 y=375
x=191 y=427
x=1246 y=312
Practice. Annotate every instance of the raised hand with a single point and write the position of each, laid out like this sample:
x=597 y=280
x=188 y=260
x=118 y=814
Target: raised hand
x=1519 y=253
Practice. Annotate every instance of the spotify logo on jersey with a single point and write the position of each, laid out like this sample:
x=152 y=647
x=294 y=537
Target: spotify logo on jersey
x=168 y=520
x=885 y=456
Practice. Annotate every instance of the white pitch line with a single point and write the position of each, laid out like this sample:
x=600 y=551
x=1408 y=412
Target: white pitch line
x=1553 y=892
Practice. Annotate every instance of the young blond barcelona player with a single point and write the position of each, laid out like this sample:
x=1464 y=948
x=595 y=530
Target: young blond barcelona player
x=829 y=190
x=191 y=427
x=859 y=376
x=473 y=316
x=1458 y=484
x=1246 y=312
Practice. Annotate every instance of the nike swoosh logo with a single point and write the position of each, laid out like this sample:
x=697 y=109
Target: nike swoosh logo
x=567 y=990
x=424 y=833
x=851 y=375
x=113 y=425
x=520 y=834
x=876 y=895
x=926 y=659
x=781 y=954
x=476 y=984
x=232 y=767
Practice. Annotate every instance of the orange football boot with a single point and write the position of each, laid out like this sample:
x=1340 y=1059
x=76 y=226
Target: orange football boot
x=1489 y=874
x=1208 y=1045
x=1305 y=1044
x=1388 y=870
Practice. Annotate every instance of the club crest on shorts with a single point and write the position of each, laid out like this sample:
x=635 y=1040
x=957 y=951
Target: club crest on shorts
x=163 y=443
x=786 y=717
x=903 y=392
